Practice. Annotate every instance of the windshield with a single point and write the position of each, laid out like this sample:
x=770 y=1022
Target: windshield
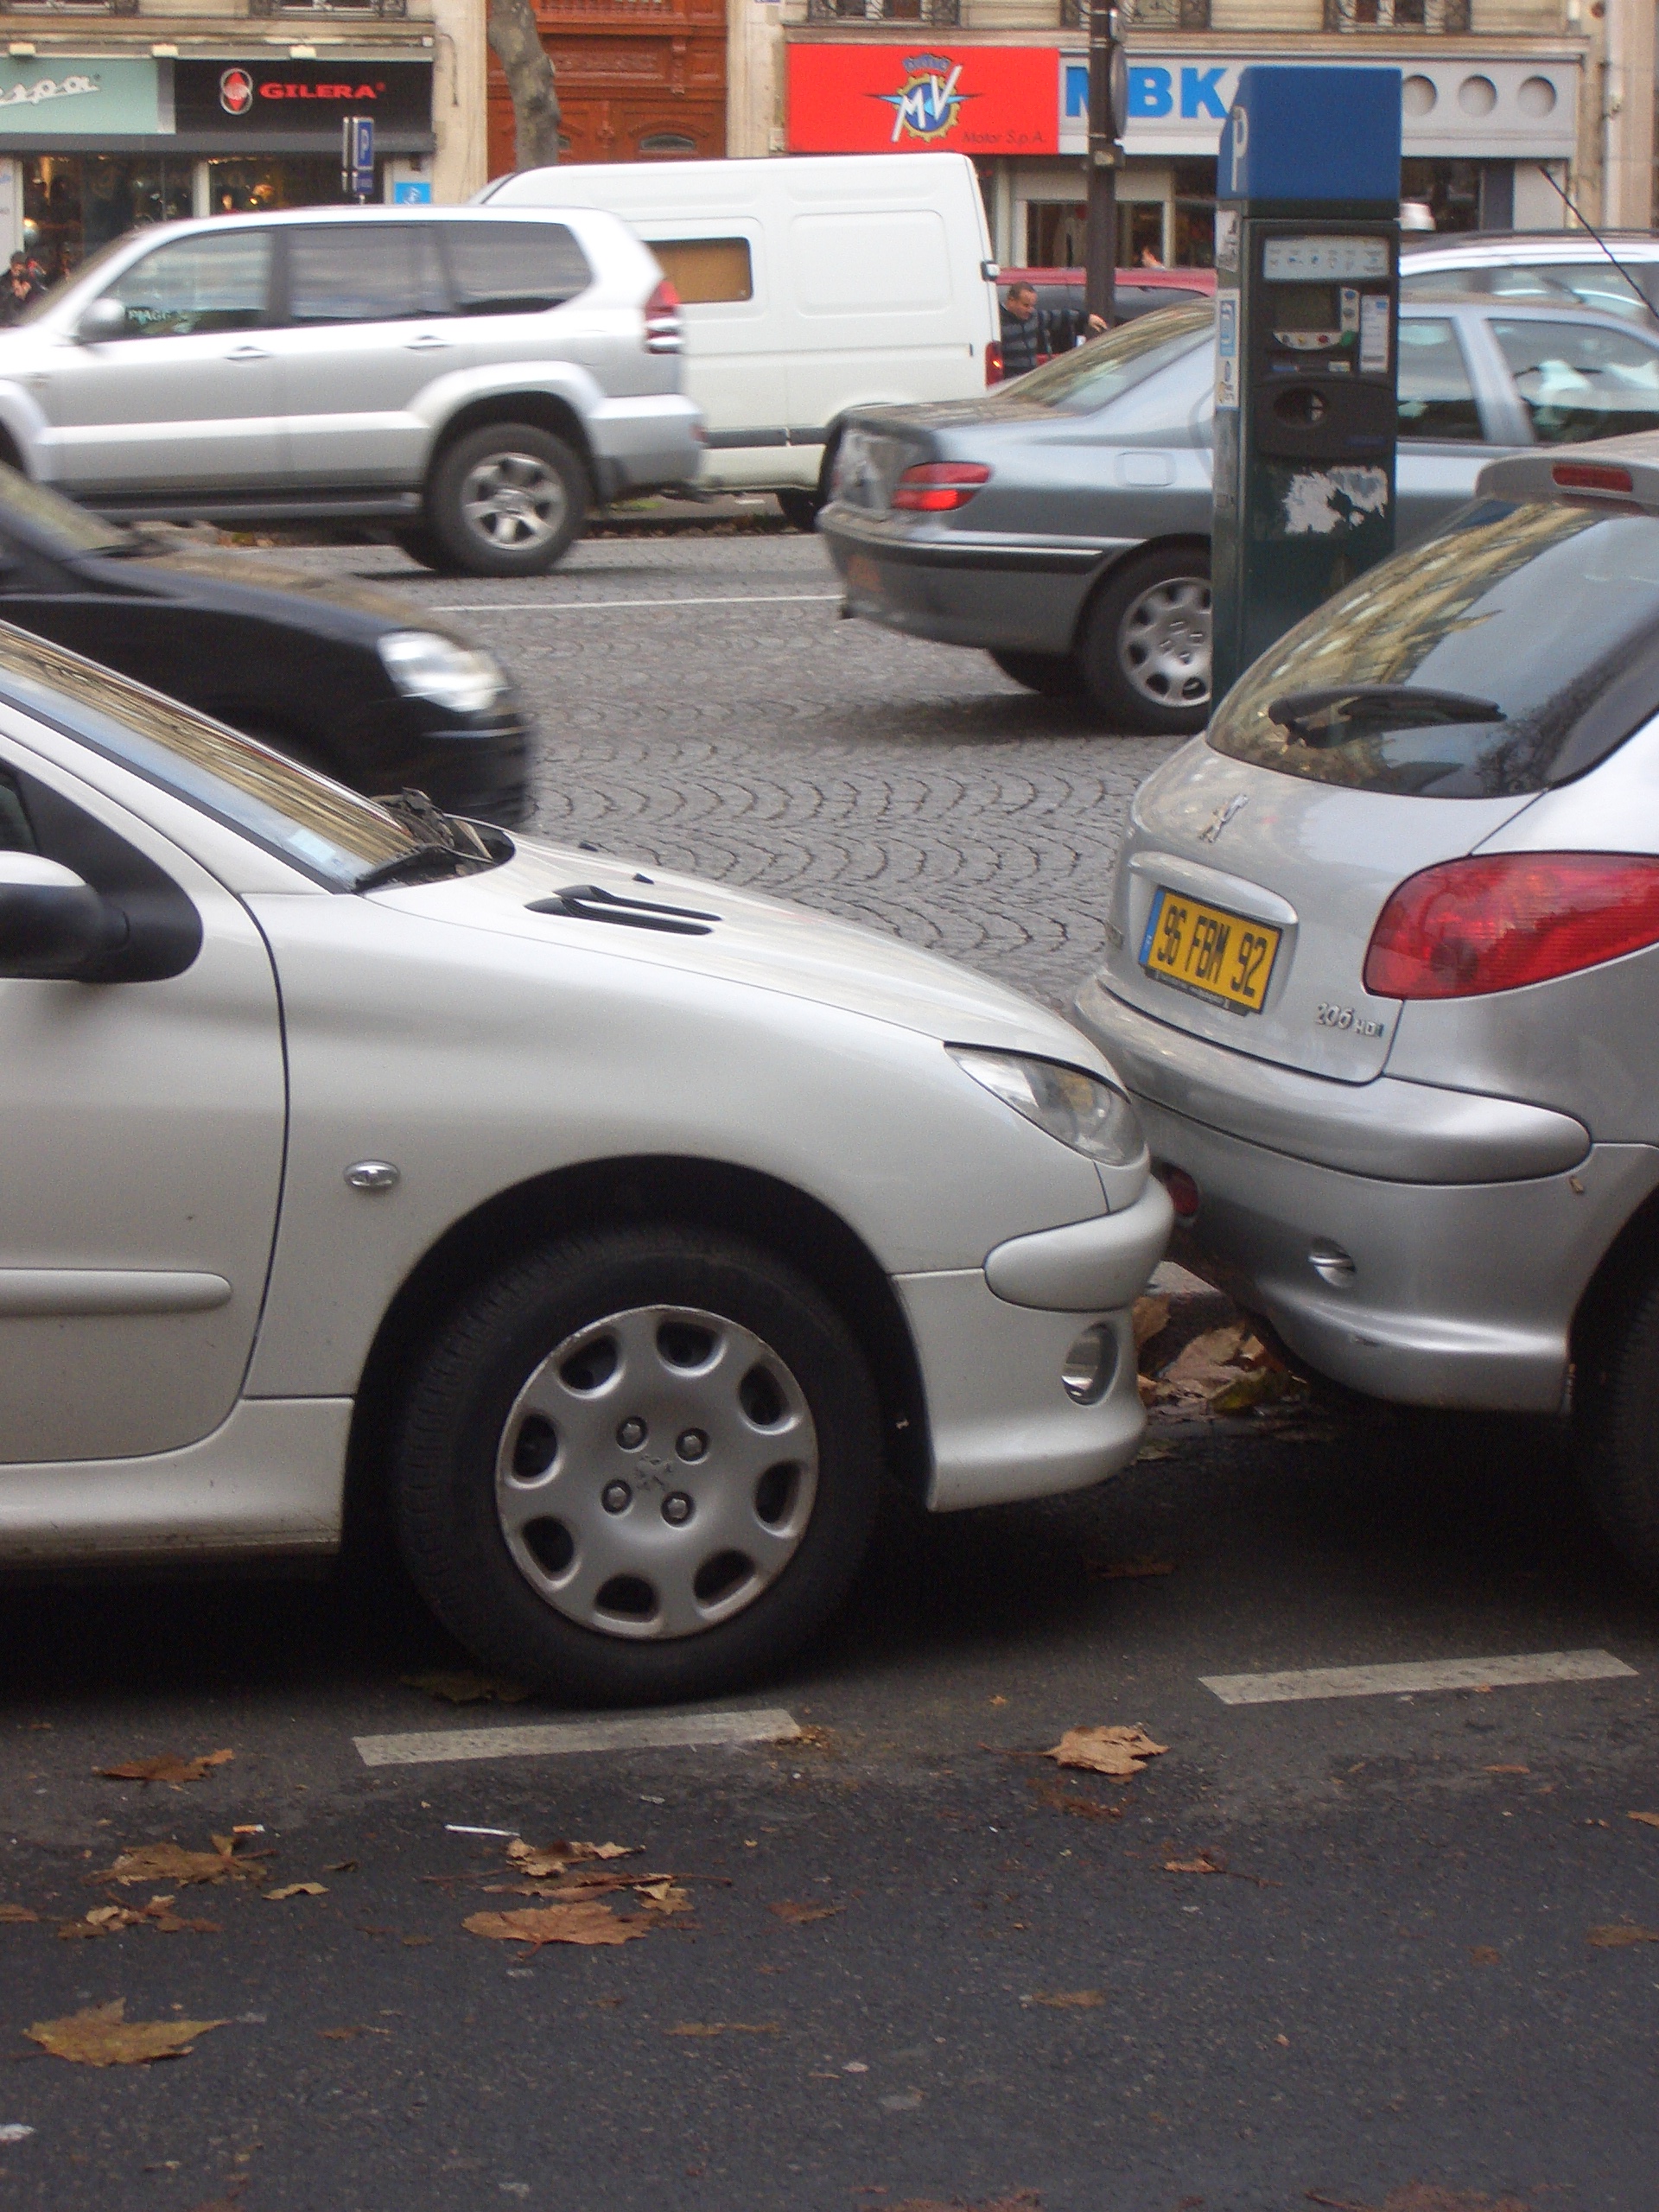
x=49 y=515
x=1079 y=382
x=1545 y=617
x=325 y=830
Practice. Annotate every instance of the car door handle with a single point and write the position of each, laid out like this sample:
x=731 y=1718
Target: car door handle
x=248 y=354
x=428 y=343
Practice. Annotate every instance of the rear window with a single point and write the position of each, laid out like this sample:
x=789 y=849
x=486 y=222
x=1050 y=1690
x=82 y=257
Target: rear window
x=513 y=268
x=1546 y=617
x=1079 y=382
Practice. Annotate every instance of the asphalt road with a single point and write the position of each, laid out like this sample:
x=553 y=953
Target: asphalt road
x=1382 y=1995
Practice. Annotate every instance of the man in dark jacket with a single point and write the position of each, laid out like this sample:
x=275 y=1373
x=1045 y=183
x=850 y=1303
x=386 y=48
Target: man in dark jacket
x=1031 y=334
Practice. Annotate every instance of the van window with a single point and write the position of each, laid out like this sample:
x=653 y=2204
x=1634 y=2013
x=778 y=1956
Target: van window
x=892 y=263
x=704 y=271
x=513 y=268
x=364 y=272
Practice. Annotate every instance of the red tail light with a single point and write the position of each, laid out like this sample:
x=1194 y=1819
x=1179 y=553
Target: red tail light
x=938 y=486
x=1470 y=926
x=663 y=320
x=1591 y=476
x=995 y=371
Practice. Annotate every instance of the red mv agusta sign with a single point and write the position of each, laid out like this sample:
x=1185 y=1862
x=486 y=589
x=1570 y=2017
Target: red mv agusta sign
x=897 y=98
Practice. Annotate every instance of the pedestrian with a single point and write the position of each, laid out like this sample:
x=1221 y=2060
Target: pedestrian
x=18 y=289
x=1031 y=334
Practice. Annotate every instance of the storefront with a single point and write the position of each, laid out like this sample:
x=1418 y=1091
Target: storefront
x=1483 y=136
x=92 y=147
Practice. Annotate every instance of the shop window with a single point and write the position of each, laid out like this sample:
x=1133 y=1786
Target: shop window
x=705 y=272
x=208 y=282
x=667 y=142
x=513 y=268
x=1057 y=233
x=74 y=203
x=1436 y=398
x=252 y=184
x=1192 y=221
x=370 y=272
x=1450 y=189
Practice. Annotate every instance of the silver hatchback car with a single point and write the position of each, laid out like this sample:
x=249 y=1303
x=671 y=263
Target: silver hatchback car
x=1384 y=980
x=476 y=377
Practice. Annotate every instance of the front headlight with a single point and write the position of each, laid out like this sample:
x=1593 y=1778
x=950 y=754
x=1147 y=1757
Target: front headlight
x=424 y=665
x=1082 y=1111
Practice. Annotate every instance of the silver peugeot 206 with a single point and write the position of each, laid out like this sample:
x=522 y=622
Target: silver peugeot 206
x=1384 y=971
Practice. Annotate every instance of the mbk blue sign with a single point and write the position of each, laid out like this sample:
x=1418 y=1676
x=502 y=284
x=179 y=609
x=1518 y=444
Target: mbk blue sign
x=1173 y=106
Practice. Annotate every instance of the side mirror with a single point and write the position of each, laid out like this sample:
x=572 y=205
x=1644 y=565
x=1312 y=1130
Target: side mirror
x=52 y=924
x=105 y=318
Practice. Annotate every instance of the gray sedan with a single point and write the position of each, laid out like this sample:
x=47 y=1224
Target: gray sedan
x=1063 y=522
x=1384 y=971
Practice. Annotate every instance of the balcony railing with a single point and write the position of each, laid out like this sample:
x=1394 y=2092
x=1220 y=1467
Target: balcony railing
x=1450 y=17
x=68 y=6
x=327 y=7
x=1144 y=14
x=939 y=15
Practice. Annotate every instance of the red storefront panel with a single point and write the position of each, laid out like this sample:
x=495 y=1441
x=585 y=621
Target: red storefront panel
x=917 y=98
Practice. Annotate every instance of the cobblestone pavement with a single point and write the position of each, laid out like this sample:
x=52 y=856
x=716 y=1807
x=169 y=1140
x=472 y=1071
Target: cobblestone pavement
x=764 y=742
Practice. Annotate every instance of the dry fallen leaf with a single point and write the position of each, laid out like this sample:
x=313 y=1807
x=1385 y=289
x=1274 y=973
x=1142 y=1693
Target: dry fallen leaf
x=1151 y=1318
x=463 y=1688
x=725 y=2028
x=663 y=1896
x=102 y=2037
x=169 y=1767
x=111 y=1919
x=171 y=1862
x=558 y=1923
x=1023 y=2200
x=1508 y=1769
x=1120 y=1751
x=1651 y=1819
x=1263 y=1386
x=1083 y=2001
x=349 y=2035
x=19 y=1915
x=554 y=1857
x=1201 y=1865
x=1484 y=1954
x=802 y=1915
x=296 y=1890
x=1620 y=1936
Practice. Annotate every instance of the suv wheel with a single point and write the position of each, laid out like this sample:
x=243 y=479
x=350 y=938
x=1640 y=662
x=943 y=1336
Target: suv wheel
x=507 y=500
x=640 y=1464
x=1144 y=651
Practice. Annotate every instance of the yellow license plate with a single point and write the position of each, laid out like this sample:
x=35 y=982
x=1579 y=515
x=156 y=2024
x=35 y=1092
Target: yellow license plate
x=1207 y=949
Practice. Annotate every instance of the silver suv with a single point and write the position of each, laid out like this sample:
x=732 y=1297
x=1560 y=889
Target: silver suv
x=477 y=378
x=1539 y=269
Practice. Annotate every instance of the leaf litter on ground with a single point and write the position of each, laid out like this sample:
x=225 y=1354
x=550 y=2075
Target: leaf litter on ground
x=592 y=1923
x=17 y=1915
x=1082 y=2000
x=1620 y=1936
x=461 y=1687
x=296 y=1890
x=172 y=1862
x=1650 y=1819
x=169 y=1767
x=111 y=1919
x=804 y=1913
x=554 y=1858
x=727 y=2028
x=103 y=2036
x=1118 y=1752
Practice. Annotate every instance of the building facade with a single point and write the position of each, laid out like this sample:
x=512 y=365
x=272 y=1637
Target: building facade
x=639 y=81
x=1508 y=104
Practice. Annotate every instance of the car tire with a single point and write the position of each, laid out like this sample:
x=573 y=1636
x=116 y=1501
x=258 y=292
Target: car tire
x=1144 y=651
x=1615 y=1423
x=507 y=500
x=544 y=1460
x=1054 y=675
x=800 y=509
x=418 y=542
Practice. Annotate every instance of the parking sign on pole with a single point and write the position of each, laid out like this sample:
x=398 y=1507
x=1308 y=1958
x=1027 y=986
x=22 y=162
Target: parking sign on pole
x=356 y=156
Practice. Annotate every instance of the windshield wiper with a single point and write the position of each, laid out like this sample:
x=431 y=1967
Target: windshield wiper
x=418 y=865
x=1332 y=713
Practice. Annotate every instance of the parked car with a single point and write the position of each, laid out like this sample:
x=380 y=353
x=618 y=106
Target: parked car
x=808 y=287
x=477 y=380
x=1385 y=968
x=352 y=682
x=1135 y=292
x=618 y=1233
x=1063 y=522
x=1539 y=269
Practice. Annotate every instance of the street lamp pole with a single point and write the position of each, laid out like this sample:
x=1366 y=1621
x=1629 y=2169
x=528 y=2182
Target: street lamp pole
x=1107 y=100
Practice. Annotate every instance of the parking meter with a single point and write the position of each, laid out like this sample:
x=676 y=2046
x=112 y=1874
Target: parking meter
x=1307 y=261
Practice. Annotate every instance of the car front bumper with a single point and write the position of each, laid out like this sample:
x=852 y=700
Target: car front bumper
x=1005 y=594
x=1000 y=1422
x=1471 y=1238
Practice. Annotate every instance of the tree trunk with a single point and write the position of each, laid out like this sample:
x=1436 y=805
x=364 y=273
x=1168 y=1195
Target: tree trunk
x=529 y=71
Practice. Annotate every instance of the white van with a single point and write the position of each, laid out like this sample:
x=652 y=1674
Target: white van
x=810 y=285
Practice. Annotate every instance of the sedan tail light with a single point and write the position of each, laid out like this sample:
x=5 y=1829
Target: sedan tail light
x=937 y=485
x=1471 y=926
x=995 y=371
x=663 y=320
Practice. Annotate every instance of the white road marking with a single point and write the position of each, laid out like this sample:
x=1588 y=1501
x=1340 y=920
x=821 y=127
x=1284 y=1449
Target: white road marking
x=1416 y=1674
x=604 y=605
x=647 y=1732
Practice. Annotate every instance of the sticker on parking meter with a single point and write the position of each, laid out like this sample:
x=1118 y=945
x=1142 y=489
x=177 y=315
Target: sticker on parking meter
x=1374 y=333
x=1226 y=238
x=1227 y=349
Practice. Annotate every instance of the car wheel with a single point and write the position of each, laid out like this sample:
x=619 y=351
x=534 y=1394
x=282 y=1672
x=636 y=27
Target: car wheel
x=1144 y=652
x=640 y=1466
x=1615 y=1423
x=507 y=500
x=419 y=542
x=800 y=509
x=1055 y=675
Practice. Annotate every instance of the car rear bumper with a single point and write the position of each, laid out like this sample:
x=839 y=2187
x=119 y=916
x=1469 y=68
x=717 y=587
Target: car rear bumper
x=1469 y=1247
x=1001 y=1425
x=642 y=443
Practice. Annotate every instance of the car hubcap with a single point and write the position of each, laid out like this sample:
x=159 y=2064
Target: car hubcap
x=1163 y=643
x=657 y=1472
x=513 y=501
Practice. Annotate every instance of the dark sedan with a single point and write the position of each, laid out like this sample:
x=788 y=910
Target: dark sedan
x=355 y=683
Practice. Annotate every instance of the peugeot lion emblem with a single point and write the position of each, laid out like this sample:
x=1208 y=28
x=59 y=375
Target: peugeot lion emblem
x=1222 y=817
